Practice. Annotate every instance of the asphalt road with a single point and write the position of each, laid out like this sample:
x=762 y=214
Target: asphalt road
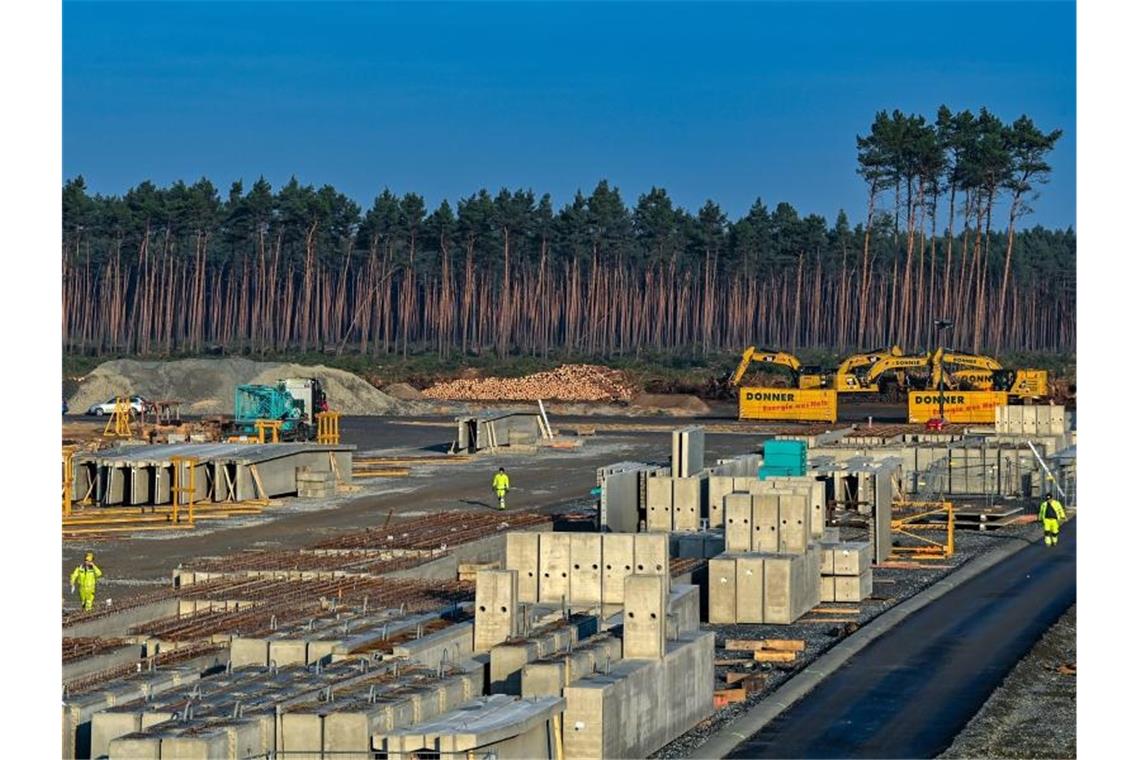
x=911 y=691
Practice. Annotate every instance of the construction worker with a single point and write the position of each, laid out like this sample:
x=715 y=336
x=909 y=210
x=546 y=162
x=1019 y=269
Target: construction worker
x=500 y=484
x=85 y=576
x=1051 y=515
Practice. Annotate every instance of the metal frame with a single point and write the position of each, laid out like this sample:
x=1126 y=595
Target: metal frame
x=929 y=548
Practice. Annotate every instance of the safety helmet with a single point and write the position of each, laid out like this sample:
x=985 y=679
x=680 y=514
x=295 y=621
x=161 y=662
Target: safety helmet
x=501 y=470
x=89 y=557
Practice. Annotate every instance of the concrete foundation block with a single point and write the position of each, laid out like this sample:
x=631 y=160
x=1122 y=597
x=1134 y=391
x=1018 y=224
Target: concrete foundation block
x=827 y=588
x=617 y=563
x=749 y=589
x=684 y=610
x=765 y=523
x=719 y=486
x=554 y=560
x=522 y=556
x=135 y=747
x=585 y=568
x=496 y=607
x=646 y=608
x=686 y=504
x=791 y=586
x=852 y=588
x=851 y=558
x=659 y=504
x=651 y=554
x=794 y=523
x=722 y=590
x=738 y=522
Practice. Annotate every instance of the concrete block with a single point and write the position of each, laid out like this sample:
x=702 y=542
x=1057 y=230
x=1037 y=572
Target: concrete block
x=853 y=588
x=738 y=522
x=686 y=504
x=554 y=562
x=288 y=652
x=827 y=559
x=659 y=504
x=249 y=651
x=722 y=590
x=765 y=522
x=684 y=610
x=794 y=523
x=719 y=486
x=617 y=563
x=646 y=607
x=585 y=568
x=522 y=555
x=496 y=607
x=135 y=747
x=851 y=558
x=688 y=451
x=827 y=588
x=791 y=586
x=749 y=589
x=651 y=554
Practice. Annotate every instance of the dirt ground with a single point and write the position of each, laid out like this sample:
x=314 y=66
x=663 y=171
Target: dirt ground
x=1033 y=714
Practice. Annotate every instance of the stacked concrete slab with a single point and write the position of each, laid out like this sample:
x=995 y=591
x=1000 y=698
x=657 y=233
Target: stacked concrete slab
x=845 y=572
x=620 y=499
x=1030 y=420
x=757 y=587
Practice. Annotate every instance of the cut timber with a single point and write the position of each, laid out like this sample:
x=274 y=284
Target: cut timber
x=722 y=697
x=769 y=655
x=836 y=611
x=730 y=662
x=832 y=621
x=751 y=645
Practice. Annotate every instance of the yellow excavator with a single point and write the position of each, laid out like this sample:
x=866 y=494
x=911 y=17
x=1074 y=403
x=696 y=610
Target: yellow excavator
x=852 y=371
x=961 y=371
x=803 y=377
x=878 y=379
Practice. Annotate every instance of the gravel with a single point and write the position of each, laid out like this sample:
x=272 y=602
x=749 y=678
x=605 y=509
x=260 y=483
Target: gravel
x=891 y=586
x=1034 y=711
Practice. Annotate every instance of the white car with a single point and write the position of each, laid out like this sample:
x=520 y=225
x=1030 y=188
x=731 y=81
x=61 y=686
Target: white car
x=108 y=407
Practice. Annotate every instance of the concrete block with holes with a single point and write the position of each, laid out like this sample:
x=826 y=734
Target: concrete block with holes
x=617 y=563
x=496 y=607
x=738 y=522
x=522 y=555
x=646 y=607
x=765 y=522
x=585 y=568
x=651 y=555
x=554 y=566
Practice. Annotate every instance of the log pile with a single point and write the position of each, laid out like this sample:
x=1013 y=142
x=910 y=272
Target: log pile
x=570 y=382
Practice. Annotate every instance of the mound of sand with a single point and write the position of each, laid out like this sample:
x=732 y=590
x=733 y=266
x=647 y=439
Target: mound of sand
x=670 y=402
x=404 y=392
x=206 y=386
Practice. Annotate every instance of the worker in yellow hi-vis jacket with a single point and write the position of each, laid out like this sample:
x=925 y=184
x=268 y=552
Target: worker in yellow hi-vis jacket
x=500 y=484
x=1051 y=515
x=84 y=577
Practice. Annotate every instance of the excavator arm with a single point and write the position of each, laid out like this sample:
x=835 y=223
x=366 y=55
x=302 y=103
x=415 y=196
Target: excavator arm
x=751 y=355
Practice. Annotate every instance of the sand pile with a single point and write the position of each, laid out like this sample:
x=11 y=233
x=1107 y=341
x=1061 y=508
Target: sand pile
x=570 y=382
x=679 y=403
x=206 y=386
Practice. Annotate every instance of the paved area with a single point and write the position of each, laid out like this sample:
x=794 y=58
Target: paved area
x=911 y=691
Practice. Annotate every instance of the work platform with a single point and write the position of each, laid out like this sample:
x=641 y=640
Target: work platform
x=217 y=472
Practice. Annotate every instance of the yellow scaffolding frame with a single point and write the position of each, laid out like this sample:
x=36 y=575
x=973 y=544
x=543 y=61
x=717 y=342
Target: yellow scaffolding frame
x=68 y=478
x=929 y=549
x=119 y=426
x=181 y=486
x=272 y=426
x=328 y=427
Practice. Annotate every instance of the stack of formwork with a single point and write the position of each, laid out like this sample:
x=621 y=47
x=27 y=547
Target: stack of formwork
x=845 y=572
x=314 y=484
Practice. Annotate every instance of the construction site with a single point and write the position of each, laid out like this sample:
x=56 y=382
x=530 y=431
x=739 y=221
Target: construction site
x=323 y=570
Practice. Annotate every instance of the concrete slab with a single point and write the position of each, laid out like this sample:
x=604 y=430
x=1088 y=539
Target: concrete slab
x=738 y=522
x=554 y=562
x=722 y=590
x=686 y=503
x=795 y=523
x=850 y=558
x=765 y=523
x=586 y=568
x=651 y=554
x=659 y=504
x=522 y=555
x=496 y=607
x=719 y=486
x=852 y=588
x=749 y=588
x=646 y=608
x=791 y=586
x=617 y=563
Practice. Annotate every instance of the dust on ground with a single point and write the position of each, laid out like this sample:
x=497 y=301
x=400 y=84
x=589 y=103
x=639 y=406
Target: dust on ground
x=1033 y=714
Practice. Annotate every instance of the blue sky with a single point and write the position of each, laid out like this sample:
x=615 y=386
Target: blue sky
x=727 y=101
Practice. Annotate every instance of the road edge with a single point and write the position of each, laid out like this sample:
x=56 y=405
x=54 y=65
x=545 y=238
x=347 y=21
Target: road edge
x=734 y=733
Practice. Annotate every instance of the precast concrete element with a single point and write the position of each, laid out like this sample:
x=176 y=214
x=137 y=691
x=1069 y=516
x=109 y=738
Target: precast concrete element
x=136 y=746
x=749 y=589
x=646 y=607
x=585 y=568
x=547 y=676
x=651 y=555
x=765 y=523
x=848 y=558
x=738 y=522
x=814 y=489
x=852 y=588
x=1030 y=420
x=719 y=486
x=522 y=556
x=554 y=564
x=686 y=503
x=141 y=475
x=496 y=607
x=620 y=498
x=791 y=585
x=684 y=609
x=508 y=659
x=722 y=590
x=659 y=504
x=617 y=563
x=451 y=645
x=700 y=545
x=827 y=588
x=495 y=726
x=794 y=523
x=688 y=451
x=640 y=705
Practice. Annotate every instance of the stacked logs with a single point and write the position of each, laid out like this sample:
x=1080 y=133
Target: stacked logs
x=570 y=382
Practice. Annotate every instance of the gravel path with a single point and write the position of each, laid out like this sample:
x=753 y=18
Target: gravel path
x=1033 y=714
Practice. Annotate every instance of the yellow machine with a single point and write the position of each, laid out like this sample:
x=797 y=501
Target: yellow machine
x=803 y=377
x=877 y=380
x=852 y=371
x=960 y=371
